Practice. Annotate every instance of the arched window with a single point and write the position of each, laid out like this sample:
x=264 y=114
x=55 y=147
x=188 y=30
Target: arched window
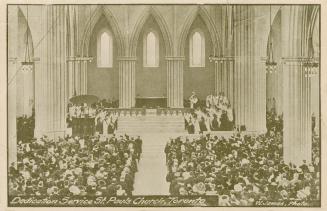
x=151 y=49
x=104 y=49
x=197 y=49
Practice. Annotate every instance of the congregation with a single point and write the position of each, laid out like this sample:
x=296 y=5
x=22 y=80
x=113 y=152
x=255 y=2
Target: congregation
x=25 y=127
x=80 y=166
x=241 y=169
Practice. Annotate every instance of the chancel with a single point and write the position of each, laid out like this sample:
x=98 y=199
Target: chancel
x=183 y=100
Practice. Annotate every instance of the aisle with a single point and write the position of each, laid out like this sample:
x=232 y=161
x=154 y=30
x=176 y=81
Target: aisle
x=151 y=176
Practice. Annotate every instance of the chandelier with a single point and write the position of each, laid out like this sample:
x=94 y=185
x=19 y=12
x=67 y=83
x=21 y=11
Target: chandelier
x=27 y=64
x=271 y=65
x=310 y=64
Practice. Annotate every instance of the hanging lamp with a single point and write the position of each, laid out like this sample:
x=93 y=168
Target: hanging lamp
x=270 y=62
x=28 y=63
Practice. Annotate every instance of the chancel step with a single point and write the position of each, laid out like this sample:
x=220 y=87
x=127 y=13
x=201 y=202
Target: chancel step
x=146 y=124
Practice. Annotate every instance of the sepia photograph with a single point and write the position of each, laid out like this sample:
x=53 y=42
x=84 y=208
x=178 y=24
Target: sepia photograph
x=163 y=105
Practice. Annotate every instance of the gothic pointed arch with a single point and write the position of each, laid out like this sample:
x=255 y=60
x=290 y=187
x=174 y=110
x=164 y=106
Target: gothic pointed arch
x=312 y=20
x=150 y=11
x=98 y=12
x=203 y=13
x=24 y=33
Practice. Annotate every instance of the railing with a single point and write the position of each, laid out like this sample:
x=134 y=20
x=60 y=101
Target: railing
x=142 y=111
x=172 y=111
x=127 y=111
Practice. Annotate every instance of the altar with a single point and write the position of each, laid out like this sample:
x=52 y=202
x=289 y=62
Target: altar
x=150 y=102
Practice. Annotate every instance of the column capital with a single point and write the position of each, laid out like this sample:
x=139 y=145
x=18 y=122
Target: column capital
x=77 y=58
x=300 y=59
x=126 y=58
x=221 y=58
x=12 y=60
x=175 y=58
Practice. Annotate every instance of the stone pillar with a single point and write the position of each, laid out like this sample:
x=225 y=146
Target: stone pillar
x=51 y=75
x=224 y=70
x=218 y=76
x=297 y=134
x=72 y=62
x=249 y=73
x=259 y=97
x=175 y=97
x=25 y=89
x=297 y=116
x=28 y=91
x=12 y=69
x=83 y=70
x=77 y=78
x=71 y=74
x=126 y=82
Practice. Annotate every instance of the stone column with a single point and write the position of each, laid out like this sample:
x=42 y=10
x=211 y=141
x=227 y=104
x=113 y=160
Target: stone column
x=297 y=117
x=25 y=89
x=175 y=97
x=126 y=82
x=249 y=72
x=51 y=75
x=297 y=134
x=12 y=69
x=77 y=78
x=72 y=62
x=28 y=76
x=84 y=76
x=224 y=70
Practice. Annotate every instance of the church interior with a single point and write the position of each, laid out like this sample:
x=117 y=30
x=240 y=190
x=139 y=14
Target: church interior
x=165 y=100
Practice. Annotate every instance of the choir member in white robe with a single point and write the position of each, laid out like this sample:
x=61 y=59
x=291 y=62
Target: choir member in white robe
x=207 y=122
x=193 y=99
x=209 y=101
x=215 y=101
x=218 y=113
x=230 y=113
x=196 y=124
x=71 y=110
x=105 y=124
x=225 y=100
x=78 y=111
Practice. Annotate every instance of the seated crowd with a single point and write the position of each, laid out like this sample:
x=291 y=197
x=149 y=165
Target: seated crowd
x=25 y=127
x=240 y=169
x=91 y=166
x=274 y=121
x=216 y=115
